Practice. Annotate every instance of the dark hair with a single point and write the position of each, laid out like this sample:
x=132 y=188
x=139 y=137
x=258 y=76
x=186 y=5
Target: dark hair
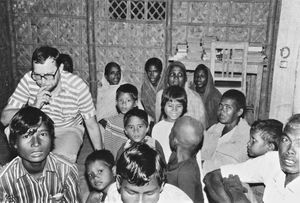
x=173 y=93
x=109 y=66
x=27 y=118
x=67 y=61
x=238 y=97
x=127 y=88
x=293 y=123
x=202 y=67
x=139 y=163
x=153 y=62
x=138 y=113
x=271 y=130
x=100 y=155
x=41 y=54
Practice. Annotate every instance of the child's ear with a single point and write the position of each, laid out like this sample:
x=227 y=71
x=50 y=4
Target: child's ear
x=271 y=147
x=118 y=182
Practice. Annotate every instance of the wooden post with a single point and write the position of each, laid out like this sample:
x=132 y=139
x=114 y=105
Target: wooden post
x=90 y=17
x=168 y=40
x=13 y=56
x=272 y=33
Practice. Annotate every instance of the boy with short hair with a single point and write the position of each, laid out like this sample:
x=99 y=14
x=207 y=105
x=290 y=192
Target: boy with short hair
x=279 y=171
x=141 y=178
x=264 y=137
x=183 y=170
x=114 y=136
x=136 y=126
x=36 y=174
x=100 y=172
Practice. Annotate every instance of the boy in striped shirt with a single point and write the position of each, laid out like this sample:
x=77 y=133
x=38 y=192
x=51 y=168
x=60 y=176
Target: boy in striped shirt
x=36 y=175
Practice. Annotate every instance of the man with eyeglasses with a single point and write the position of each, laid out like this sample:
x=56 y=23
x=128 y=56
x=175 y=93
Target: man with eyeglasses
x=63 y=96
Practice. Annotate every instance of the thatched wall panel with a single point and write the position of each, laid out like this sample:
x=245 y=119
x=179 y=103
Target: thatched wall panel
x=199 y=12
x=238 y=34
x=221 y=32
x=240 y=13
x=219 y=12
x=258 y=35
x=196 y=32
x=100 y=32
x=180 y=11
x=260 y=13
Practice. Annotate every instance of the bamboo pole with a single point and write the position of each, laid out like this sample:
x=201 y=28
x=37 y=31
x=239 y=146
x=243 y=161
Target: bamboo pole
x=12 y=43
x=90 y=17
x=272 y=33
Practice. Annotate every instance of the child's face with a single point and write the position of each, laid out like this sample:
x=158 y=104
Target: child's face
x=173 y=109
x=153 y=75
x=114 y=75
x=34 y=147
x=257 y=146
x=125 y=102
x=136 y=129
x=289 y=151
x=200 y=78
x=176 y=77
x=100 y=175
x=148 y=193
x=228 y=111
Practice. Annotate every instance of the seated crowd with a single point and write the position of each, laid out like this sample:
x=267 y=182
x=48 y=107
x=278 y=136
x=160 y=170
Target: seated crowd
x=172 y=142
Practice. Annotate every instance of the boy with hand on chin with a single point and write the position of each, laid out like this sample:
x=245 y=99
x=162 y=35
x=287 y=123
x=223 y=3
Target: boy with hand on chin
x=141 y=178
x=36 y=174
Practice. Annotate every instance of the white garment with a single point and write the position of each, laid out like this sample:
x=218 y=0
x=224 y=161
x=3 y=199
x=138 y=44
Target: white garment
x=266 y=169
x=170 y=193
x=161 y=132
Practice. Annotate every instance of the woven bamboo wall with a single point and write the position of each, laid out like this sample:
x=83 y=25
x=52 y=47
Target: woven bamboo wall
x=5 y=55
x=59 y=23
x=129 y=33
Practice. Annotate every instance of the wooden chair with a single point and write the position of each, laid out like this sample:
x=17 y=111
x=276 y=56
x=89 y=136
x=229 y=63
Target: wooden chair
x=228 y=63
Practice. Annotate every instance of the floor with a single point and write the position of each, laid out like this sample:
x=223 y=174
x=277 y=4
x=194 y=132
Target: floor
x=86 y=149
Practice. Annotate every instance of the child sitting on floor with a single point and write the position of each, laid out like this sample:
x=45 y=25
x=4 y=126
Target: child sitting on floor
x=36 y=174
x=136 y=127
x=183 y=170
x=100 y=172
x=173 y=106
x=114 y=137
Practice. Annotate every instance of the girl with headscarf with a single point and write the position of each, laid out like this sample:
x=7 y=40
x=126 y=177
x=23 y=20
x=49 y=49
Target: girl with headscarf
x=203 y=84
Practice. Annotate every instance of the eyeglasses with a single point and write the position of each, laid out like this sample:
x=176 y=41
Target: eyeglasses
x=47 y=76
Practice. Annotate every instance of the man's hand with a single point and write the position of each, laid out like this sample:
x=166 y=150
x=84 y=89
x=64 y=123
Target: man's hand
x=43 y=97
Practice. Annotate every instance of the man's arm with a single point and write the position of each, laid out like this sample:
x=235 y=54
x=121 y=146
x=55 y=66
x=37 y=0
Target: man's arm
x=94 y=132
x=7 y=114
x=215 y=188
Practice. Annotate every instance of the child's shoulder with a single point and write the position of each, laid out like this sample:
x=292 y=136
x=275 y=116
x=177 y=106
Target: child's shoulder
x=59 y=161
x=10 y=166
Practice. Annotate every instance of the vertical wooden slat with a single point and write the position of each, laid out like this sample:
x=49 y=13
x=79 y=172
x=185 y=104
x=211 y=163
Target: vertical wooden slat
x=272 y=33
x=13 y=59
x=91 y=47
x=168 y=38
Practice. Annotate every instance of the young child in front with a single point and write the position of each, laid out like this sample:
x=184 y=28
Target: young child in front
x=173 y=106
x=100 y=172
x=136 y=126
x=183 y=170
x=36 y=174
x=140 y=177
x=114 y=136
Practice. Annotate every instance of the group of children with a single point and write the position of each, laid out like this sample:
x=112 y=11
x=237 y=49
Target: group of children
x=138 y=164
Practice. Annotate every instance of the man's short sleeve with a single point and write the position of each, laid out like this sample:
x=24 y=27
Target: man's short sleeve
x=85 y=102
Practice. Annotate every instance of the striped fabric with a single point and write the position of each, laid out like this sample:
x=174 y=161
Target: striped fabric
x=59 y=181
x=114 y=135
x=67 y=108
